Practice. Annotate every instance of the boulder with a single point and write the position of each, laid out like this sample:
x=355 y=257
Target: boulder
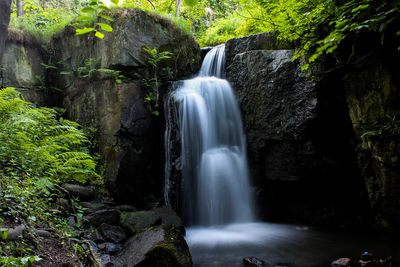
x=84 y=193
x=161 y=246
x=108 y=216
x=14 y=233
x=109 y=248
x=135 y=222
x=112 y=233
x=262 y=41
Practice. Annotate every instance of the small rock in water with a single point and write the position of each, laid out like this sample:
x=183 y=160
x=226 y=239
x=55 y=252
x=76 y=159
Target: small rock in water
x=384 y=262
x=341 y=262
x=253 y=261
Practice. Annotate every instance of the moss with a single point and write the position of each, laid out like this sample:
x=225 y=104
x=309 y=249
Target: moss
x=19 y=36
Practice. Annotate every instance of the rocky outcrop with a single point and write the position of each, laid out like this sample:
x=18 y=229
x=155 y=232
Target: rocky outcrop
x=4 y=20
x=298 y=164
x=22 y=62
x=162 y=246
x=129 y=135
x=373 y=97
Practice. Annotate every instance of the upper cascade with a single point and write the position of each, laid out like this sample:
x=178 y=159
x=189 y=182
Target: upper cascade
x=214 y=63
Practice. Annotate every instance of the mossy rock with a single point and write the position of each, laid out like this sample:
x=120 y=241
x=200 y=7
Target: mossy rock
x=161 y=246
x=135 y=222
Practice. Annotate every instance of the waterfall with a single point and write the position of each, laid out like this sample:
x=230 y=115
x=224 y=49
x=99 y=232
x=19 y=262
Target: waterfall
x=214 y=183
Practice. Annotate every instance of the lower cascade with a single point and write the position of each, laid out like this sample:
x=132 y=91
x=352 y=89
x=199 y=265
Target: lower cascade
x=214 y=184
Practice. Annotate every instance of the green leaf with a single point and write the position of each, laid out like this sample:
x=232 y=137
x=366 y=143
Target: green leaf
x=361 y=7
x=115 y=2
x=84 y=18
x=99 y=35
x=84 y=30
x=105 y=27
x=105 y=17
x=66 y=73
x=104 y=8
x=190 y=3
x=4 y=234
x=88 y=10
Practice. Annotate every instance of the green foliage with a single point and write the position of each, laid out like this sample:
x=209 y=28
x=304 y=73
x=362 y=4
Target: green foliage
x=89 y=69
x=19 y=261
x=42 y=19
x=151 y=83
x=38 y=143
x=321 y=25
x=92 y=13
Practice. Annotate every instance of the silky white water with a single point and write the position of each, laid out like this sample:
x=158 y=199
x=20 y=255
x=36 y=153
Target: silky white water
x=215 y=186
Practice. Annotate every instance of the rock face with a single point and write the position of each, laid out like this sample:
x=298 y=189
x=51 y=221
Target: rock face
x=4 y=20
x=129 y=135
x=298 y=171
x=22 y=60
x=373 y=98
x=162 y=246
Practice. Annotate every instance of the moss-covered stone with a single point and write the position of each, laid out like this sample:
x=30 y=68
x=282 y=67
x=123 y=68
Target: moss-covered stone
x=135 y=222
x=161 y=246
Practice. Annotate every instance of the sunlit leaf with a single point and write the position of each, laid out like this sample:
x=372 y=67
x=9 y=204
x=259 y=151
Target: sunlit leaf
x=105 y=27
x=84 y=18
x=88 y=10
x=99 y=35
x=190 y=3
x=84 y=30
x=105 y=17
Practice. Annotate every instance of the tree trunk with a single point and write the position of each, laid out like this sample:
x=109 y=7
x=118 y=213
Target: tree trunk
x=178 y=6
x=5 y=9
x=20 y=7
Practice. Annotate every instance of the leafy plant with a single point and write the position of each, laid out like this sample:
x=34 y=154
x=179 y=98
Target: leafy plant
x=90 y=15
x=36 y=141
x=152 y=83
x=19 y=261
x=89 y=68
x=321 y=25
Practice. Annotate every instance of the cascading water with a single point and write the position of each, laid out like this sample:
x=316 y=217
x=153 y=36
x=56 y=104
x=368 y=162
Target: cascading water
x=215 y=187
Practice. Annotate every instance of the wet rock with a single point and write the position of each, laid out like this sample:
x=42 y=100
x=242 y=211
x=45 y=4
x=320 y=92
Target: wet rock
x=135 y=222
x=109 y=248
x=109 y=216
x=82 y=192
x=341 y=262
x=93 y=206
x=161 y=246
x=112 y=233
x=253 y=261
x=169 y=216
x=110 y=261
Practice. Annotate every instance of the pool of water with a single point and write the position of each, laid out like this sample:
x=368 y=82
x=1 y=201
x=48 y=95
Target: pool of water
x=289 y=245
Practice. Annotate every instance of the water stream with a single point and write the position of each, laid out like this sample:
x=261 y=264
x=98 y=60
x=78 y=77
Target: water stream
x=215 y=186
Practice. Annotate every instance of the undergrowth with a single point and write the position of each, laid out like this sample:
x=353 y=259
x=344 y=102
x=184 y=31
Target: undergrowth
x=39 y=151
